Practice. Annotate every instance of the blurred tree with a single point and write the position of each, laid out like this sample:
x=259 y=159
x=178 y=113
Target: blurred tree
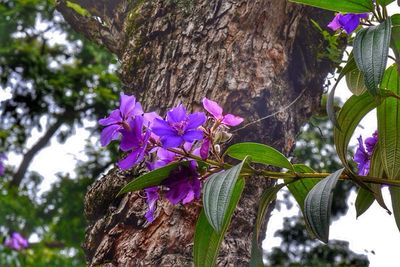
x=52 y=80
x=298 y=248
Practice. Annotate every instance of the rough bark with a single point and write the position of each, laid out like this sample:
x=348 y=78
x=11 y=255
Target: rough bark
x=256 y=57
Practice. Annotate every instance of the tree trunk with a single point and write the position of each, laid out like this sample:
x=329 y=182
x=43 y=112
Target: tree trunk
x=256 y=57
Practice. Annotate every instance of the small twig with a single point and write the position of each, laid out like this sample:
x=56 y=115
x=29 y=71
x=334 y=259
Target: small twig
x=273 y=114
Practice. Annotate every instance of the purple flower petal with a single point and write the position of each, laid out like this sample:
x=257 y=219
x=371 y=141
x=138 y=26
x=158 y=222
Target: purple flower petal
x=205 y=148
x=349 y=22
x=195 y=120
x=177 y=114
x=171 y=141
x=162 y=128
x=370 y=143
x=232 y=120
x=193 y=135
x=128 y=162
x=127 y=104
x=109 y=133
x=114 y=118
x=148 y=119
x=16 y=241
x=361 y=158
x=335 y=23
x=152 y=196
x=213 y=108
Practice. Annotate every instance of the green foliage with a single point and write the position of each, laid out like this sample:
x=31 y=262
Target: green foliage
x=259 y=153
x=355 y=82
x=218 y=194
x=317 y=206
x=388 y=115
x=268 y=196
x=54 y=78
x=330 y=105
x=349 y=117
x=371 y=48
x=207 y=241
x=353 y=6
x=331 y=50
x=150 y=179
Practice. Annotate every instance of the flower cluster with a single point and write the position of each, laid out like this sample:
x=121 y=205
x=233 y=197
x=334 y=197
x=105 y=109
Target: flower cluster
x=347 y=22
x=16 y=241
x=363 y=154
x=179 y=137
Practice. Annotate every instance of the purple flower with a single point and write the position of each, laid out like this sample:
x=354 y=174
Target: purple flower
x=179 y=127
x=16 y=241
x=2 y=159
x=349 y=22
x=214 y=109
x=363 y=157
x=119 y=118
x=151 y=198
x=135 y=141
x=183 y=184
x=205 y=148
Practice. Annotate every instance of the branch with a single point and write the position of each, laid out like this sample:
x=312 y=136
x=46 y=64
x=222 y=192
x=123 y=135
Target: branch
x=98 y=27
x=28 y=157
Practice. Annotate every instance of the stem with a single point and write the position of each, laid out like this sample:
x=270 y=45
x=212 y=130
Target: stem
x=288 y=175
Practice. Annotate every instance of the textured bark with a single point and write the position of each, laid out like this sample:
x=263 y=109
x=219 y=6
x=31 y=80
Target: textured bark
x=256 y=57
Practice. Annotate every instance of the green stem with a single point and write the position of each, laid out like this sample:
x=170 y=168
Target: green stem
x=287 y=175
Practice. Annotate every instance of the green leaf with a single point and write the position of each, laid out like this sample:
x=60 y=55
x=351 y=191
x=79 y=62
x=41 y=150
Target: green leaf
x=363 y=201
x=395 y=38
x=317 y=206
x=150 y=179
x=355 y=82
x=330 y=104
x=217 y=194
x=371 y=47
x=207 y=241
x=78 y=9
x=388 y=113
x=395 y=196
x=302 y=187
x=384 y=2
x=259 y=153
x=268 y=196
x=353 y=6
x=355 y=108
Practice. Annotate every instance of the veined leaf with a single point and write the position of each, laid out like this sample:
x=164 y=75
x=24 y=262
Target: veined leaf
x=371 y=47
x=395 y=38
x=355 y=82
x=259 y=153
x=302 y=187
x=217 y=195
x=355 y=108
x=207 y=241
x=330 y=104
x=384 y=2
x=150 y=179
x=395 y=196
x=267 y=197
x=388 y=113
x=317 y=206
x=353 y=6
